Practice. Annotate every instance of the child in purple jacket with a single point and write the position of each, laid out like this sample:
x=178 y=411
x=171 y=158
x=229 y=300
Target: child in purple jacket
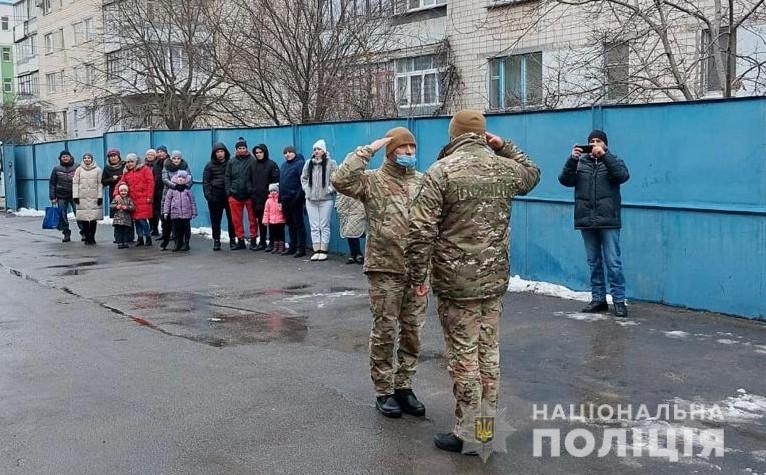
x=180 y=208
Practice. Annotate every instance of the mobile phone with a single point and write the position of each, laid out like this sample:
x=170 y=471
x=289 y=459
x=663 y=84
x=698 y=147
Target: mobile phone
x=585 y=148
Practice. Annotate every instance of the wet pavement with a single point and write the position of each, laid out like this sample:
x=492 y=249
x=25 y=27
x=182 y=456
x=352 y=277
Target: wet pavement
x=141 y=361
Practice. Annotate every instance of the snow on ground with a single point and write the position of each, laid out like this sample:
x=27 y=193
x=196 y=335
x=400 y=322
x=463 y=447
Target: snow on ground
x=677 y=334
x=27 y=213
x=517 y=284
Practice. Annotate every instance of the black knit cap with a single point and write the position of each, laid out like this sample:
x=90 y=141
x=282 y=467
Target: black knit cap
x=240 y=143
x=598 y=134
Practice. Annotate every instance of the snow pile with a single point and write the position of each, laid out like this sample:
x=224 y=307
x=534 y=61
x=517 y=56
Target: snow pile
x=29 y=213
x=583 y=317
x=517 y=284
x=677 y=334
x=207 y=233
x=106 y=221
x=744 y=407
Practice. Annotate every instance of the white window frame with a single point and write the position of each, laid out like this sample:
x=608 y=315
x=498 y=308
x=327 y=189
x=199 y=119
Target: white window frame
x=411 y=74
x=49 y=43
x=90 y=118
x=8 y=85
x=51 y=82
x=79 y=37
x=5 y=23
x=524 y=102
x=7 y=49
x=89 y=32
x=90 y=74
x=424 y=4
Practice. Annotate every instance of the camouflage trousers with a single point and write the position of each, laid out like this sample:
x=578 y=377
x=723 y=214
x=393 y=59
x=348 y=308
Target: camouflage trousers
x=394 y=304
x=471 y=330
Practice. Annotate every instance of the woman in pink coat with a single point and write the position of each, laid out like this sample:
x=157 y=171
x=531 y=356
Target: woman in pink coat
x=140 y=181
x=275 y=219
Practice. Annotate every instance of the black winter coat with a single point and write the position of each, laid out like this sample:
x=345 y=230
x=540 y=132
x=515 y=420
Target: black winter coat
x=60 y=183
x=290 y=187
x=239 y=177
x=265 y=172
x=214 y=176
x=111 y=171
x=597 y=190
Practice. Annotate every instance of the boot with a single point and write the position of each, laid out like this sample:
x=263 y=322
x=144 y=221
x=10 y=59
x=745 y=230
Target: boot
x=140 y=241
x=240 y=245
x=288 y=251
x=280 y=247
x=186 y=246
x=270 y=246
x=255 y=247
x=388 y=406
x=322 y=252
x=315 y=256
x=620 y=310
x=164 y=244
x=148 y=241
x=67 y=236
x=216 y=244
x=451 y=443
x=179 y=245
x=409 y=403
x=233 y=244
x=299 y=253
x=596 y=307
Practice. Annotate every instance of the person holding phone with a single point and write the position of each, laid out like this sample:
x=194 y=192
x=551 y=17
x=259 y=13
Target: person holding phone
x=596 y=175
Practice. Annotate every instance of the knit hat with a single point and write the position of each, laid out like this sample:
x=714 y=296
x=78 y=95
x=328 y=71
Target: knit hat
x=162 y=148
x=467 y=121
x=399 y=136
x=151 y=150
x=176 y=153
x=64 y=152
x=274 y=187
x=240 y=143
x=598 y=134
x=131 y=157
x=113 y=151
x=123 y=185
x=320 y=144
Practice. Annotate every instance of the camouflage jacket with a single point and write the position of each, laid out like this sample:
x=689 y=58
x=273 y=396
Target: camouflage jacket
x=387 y=194
x=459 y=221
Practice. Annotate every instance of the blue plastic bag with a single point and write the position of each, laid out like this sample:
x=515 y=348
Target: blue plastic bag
x=52 y=217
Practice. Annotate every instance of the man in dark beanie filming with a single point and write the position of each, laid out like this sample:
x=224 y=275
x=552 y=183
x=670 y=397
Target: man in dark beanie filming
x=387 y=193
x=596 y=175
x=459 y=223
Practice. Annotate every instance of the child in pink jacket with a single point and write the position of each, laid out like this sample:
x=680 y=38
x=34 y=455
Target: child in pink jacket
x=275 y=219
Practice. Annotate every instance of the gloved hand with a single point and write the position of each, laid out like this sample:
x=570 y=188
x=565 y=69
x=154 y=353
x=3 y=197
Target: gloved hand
x=100 y=201
x=76 y=201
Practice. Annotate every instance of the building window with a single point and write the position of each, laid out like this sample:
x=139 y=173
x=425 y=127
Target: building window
x=7 y=85
x=88 y=27
x=90 y=117
x=52 y=120
x=710 y=72
x=29 y=84
x=420 y=81
x=6 y=54
x=417 y=4
x=178 y=60
x=113 y=64
x=78 y=33
x=46 y=4
x=4 y=23
x=90 y=74
x=617 y=62
x=50 y=81
x=48 y=43
x=64 y=121
x=516 y=81
x=33 y=45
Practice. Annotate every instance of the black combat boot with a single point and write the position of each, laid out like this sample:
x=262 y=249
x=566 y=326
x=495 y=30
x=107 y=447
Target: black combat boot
x=67 y=236
x=620 y=310
x=217 y=245
x=240 y=245
x=451 y=443
x=409 y=403
x=596 y=307
x=388 y=406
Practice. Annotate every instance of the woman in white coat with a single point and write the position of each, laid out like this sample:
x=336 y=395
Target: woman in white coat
x=87 y=193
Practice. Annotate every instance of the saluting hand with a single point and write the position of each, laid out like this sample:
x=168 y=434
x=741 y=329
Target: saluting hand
x=380 y=143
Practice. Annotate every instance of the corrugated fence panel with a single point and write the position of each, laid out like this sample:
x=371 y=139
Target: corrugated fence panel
x=694 y=216
x=94 y=146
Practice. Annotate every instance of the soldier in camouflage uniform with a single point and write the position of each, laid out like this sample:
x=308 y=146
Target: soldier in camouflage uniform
x=387 y=193
x=460 y=223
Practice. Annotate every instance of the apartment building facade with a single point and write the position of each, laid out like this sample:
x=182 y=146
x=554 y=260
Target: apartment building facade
x=6 y=50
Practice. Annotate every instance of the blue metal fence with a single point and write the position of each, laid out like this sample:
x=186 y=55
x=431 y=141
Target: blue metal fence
x=694 y=217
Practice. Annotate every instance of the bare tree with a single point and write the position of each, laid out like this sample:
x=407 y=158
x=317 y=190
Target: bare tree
x=302 y=61
x=21 y=123
x=162 y=66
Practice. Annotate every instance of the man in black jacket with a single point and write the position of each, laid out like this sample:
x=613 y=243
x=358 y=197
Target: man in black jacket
x=214 y=187
x=60 y=192
x=293 y=200
x=596 y=178
x=239 y=189
x=265 y=172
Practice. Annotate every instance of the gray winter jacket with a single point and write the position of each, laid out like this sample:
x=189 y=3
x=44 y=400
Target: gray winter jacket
x=313 y=187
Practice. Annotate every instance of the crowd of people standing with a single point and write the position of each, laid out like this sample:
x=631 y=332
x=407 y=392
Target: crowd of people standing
x=248 y=187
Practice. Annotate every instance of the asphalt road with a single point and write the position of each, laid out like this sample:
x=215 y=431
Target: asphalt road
x=149 y=362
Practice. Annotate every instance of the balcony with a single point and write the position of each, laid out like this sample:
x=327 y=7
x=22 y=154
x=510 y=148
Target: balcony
x=24 y=29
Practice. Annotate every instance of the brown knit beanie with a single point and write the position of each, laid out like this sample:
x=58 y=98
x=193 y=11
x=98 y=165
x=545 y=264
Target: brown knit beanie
x=467 y=121
x=400 y=136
